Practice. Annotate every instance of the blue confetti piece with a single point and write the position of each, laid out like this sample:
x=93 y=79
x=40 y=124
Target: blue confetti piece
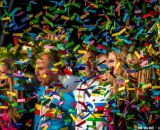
x=125 y=17
x=116 y=50
x=29 y=53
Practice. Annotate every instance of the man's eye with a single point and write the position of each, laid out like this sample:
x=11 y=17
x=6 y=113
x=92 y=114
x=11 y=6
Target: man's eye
x=110 y=61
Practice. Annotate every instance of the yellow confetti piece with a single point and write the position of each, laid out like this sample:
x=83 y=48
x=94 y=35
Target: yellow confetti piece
x=82 y=51
x=126 y=81
x=1 y=3
x=150 y=118
x=47 y=97
x=6 y=18
x=11 y=93
x=136 y=53
x=53 y=111
x=115 y=34
x=58 y=63
x=64 y=128
x=35 y=26
x=121 y=88
x=39 y=14
x=54 y=69
x=3 y=77
x=28 y=29
x=38 y=107
x=96 y=115
x=28 y=75
x=17 y=34
x=131 y=89
x=121 y=99
x=65 y=17
x=122 y=31
x=155 y=87
x=15 y=49
x=150 y=46
x=147 y=86
x=74 y=118
x=84 y=16
x=44 y=76
x=118 y=64
x=3 y=107
x=45 y=128
x=119 y=33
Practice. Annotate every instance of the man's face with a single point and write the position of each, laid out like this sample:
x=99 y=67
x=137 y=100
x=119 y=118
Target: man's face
x=87 y=59
x=112 y=61
x=158 y=72
x=44 y=74
x=3 y=77
x=103 y=59
x=131 y=60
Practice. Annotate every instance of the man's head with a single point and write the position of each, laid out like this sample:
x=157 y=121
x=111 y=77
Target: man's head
x=3 y=75
x=88 y=59
x=102 y=66
x=43 y=71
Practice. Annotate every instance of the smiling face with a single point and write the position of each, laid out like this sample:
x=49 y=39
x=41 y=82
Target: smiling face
x=87 y=59
x=44 y=75
x=112 y=61
x=3 y=77
x=102 y=67
x=131 y=59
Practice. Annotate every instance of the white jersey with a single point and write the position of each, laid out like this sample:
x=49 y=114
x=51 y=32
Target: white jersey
x=91 y=99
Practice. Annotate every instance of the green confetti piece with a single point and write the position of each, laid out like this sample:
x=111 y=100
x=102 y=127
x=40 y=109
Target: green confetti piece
x=77 y=5
x=56 y=113
x=69 y=44
x=68 y=120
x=59 y=11
x=144 y=8
x=94 y=119
x=32 y=110
x=52 y=8
x=45 y=102
x=50 y=15
x=74 y=26
x=76 y=47
x=48 y=21
x=14 y=104
x=123 y=3
x=73 y=16
x=107 y=25
x=34 y=21
x=93 y=48
x=21 y=111
x=120 y=114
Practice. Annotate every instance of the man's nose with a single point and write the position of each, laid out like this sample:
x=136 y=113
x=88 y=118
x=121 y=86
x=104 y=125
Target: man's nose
x=129 y=61
x=109 y=65
x=38 y=74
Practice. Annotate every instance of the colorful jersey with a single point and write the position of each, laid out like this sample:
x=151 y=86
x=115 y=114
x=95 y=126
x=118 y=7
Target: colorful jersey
x=54 y=109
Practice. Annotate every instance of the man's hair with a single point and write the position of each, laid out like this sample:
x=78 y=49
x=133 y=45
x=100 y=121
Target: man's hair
x=52 y=56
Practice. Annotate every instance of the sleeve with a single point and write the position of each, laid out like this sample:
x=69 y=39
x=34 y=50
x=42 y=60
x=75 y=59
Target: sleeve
x=69 y=102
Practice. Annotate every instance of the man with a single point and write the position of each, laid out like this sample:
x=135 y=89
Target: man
x=55 y=102
x=88 y=96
